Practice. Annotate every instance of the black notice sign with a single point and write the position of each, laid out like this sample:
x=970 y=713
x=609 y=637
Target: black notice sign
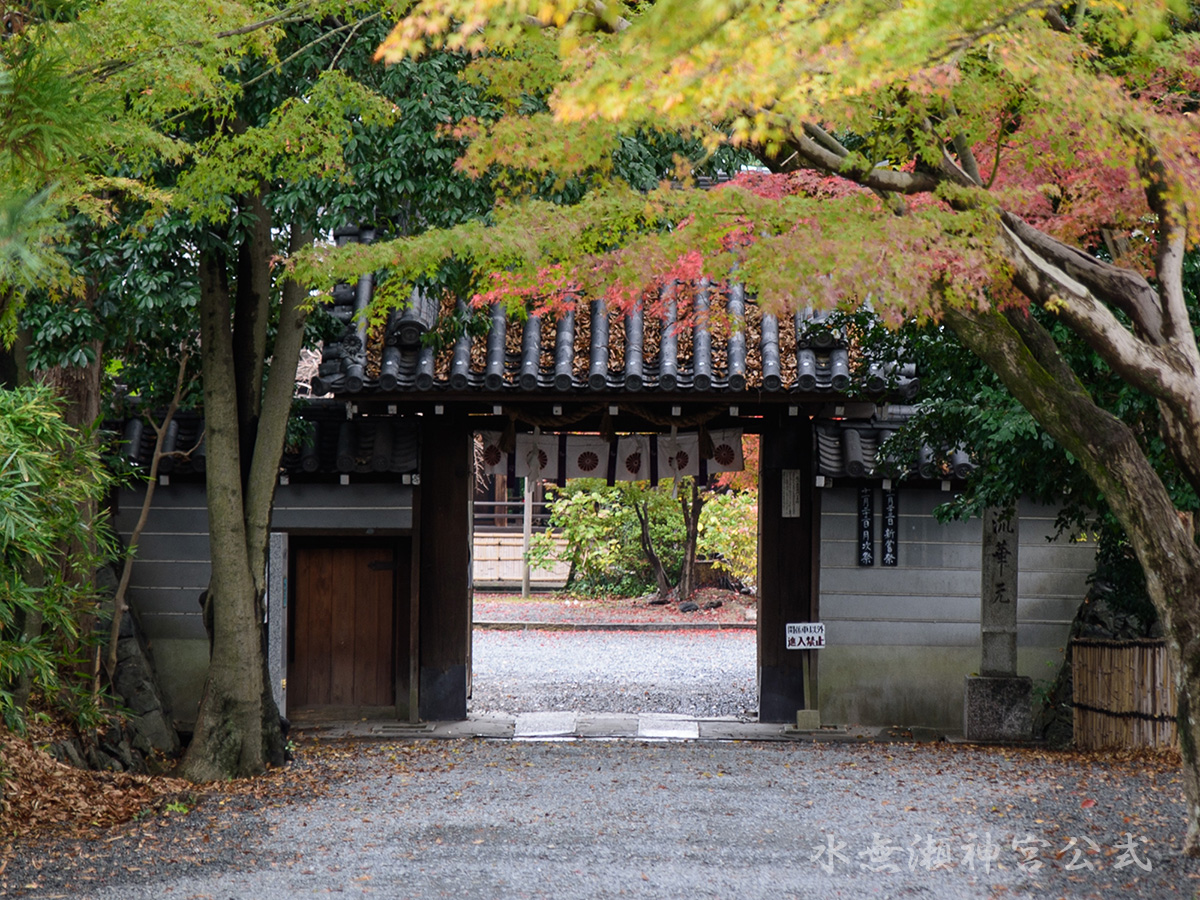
x=891 y=529
x=866 y=526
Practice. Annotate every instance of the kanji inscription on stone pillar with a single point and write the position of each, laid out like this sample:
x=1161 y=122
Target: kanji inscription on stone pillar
x=998 y=593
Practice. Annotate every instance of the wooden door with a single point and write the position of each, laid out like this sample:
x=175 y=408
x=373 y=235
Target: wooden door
x=343 y=627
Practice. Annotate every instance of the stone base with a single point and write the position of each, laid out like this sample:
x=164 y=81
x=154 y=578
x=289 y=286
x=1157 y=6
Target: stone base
x=808 y=720
x=997 y=708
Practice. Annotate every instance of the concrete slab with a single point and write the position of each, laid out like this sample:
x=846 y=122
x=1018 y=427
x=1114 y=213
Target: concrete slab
x=737 y=730
x=607 y=725
x=499 y=727
x=402 y=729
x=543 y=725
x=665 y=726
x=570 y=726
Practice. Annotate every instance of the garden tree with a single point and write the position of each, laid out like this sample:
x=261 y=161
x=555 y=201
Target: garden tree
x=139 y=66
x=308 y=141
x=937 y=160
x=235 y=132
x=965 y=406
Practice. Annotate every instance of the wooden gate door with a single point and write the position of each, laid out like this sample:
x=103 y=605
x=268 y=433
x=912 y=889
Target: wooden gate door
x=343 y=627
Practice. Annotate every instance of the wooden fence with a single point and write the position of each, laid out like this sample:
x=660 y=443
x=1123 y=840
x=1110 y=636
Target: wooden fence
x=1124 y=694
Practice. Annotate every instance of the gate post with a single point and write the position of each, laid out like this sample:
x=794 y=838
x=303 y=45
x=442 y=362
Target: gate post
x=444 y=621
x=786 y=551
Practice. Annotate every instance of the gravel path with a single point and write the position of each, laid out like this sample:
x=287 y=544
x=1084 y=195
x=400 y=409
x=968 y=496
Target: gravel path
x=576 y=821
x=697 y=673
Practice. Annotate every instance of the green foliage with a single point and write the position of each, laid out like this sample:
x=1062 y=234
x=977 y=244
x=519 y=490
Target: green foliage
x=729 y=534
x=602 y=534
x=49 y=548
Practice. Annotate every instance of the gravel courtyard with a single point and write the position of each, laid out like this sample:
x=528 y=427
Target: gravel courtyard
x=697 y=673
x=475 y=819
x=493 y=820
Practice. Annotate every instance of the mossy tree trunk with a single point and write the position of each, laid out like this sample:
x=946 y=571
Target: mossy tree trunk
x=1025 y=357
x=237 y=727
x=1143 y=331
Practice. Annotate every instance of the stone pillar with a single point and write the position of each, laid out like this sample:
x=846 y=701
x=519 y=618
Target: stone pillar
x=277 y=567
x=997 y=702
x=998 y=593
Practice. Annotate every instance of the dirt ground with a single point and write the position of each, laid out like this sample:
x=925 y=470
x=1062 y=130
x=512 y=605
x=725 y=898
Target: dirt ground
x=734 y=609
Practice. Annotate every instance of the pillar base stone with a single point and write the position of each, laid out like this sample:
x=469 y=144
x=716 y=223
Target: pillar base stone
x=998 y=708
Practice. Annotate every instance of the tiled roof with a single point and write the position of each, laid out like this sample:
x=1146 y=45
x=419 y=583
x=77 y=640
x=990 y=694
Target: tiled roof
x=852 y=449
x=334 y=444
x=708 y=339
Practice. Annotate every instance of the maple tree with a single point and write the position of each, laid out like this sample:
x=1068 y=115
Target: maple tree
x=959 y=162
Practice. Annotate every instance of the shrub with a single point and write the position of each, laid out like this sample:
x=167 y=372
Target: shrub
x=51 y=542
x=603 y=546
x=729 y=534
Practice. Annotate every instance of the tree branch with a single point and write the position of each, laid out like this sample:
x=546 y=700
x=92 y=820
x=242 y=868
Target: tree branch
x=342 y=49
x=119 y=604
x=966 y=156
x=894 y=201
x=1166 y=369
x=1144 y=364
x=111 y=67
x=288 y=15
x=875 y=177
x=1121 y=288
x=314 y=42
x=1172 y=242
x=825 y=139
x=948 y=167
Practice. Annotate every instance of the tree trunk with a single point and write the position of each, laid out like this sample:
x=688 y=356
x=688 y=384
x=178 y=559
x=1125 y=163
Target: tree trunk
x=1025 y=357
x=656 y=566
x=238 y=725
x=691 y=522
x=228 y=740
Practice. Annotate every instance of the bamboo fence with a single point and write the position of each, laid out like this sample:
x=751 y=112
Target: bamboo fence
x=1124 y=695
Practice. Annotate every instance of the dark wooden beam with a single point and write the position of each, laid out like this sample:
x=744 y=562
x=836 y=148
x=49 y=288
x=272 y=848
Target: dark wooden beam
x=786 y=563
x=405 y=636
x=445 y=567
